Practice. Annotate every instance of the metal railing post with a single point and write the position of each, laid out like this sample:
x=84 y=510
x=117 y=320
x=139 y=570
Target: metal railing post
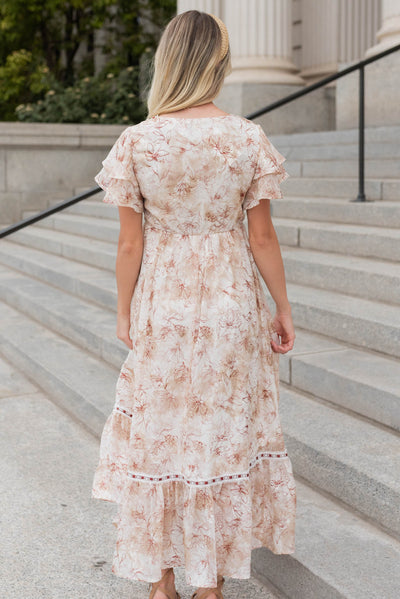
x=361 y=129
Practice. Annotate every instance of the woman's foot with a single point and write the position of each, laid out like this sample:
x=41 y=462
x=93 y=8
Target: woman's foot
x=210 y=596
x=166 y=585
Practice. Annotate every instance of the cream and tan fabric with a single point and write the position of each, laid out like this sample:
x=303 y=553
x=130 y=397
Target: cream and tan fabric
x=193 y=452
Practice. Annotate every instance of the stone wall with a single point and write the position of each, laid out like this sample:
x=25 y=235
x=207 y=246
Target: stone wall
x=44 y=163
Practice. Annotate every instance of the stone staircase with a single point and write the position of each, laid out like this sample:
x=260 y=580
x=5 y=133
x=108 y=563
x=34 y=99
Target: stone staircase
x=340 y=385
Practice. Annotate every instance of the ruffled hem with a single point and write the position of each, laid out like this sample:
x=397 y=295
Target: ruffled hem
x=119 y=192
x=117 y=177
x=205 y=529
x=268 y=175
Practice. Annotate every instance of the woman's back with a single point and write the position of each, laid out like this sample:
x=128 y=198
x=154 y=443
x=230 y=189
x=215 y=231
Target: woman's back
x=191 y=175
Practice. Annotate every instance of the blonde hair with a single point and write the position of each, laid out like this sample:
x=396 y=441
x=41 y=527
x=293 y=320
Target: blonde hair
x=187 y=67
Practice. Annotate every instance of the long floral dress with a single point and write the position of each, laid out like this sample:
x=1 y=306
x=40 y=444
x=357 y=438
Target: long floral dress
x=193 y=451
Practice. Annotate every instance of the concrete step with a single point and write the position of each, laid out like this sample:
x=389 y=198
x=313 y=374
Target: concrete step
x=360 y=323
x=84 y=281
x=361 y=277
x=344 y=455
x=357 y=276
x=376 y=214
x=82 y=385
x=363 y=382
x=339 y=137
x=103 y=230
x=84 y=323
x=345 y=187
x=101 y=254
x=338 y=555
x=381 y=150
x=357 y=240
x=96 y=207
x=367 y=383
x=336 y=210
x=384 y=168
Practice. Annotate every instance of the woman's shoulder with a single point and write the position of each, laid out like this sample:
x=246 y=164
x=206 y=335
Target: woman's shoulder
x=164 y=118
x=235 y=125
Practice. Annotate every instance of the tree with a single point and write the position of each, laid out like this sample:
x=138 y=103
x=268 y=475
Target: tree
x=50 y=44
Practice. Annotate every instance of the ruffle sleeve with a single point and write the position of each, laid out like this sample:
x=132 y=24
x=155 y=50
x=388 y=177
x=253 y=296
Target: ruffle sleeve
x=268 y=174
x=118 y=177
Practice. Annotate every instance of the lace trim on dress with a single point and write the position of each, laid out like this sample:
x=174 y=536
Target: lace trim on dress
x=212 y=481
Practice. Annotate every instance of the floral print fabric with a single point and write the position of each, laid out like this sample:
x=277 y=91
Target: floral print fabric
x=193 y=451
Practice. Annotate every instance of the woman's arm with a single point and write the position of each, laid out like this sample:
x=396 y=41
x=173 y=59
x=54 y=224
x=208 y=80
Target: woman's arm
x=268 y=258
x=127 y=267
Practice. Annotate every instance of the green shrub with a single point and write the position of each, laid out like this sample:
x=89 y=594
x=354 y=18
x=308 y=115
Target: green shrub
x=105 y=98
x=22 y=77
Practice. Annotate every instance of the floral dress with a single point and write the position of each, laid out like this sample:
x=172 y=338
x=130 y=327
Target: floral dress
x=193 y=451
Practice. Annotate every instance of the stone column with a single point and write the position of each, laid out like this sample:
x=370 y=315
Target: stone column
x=389 y=33
x=263 y=67
x=261 y=41
x=211 y=6
x=335 y=32
x=382 y=78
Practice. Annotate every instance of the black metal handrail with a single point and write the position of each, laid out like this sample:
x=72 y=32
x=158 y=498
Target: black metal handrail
x=61 y=206
x=361 y=113
x=289 y=98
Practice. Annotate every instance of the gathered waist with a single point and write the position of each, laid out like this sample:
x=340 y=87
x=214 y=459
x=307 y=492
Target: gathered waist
x=237 y=227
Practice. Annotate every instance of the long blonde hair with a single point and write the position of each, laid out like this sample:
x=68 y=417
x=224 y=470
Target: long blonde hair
x=187 y=69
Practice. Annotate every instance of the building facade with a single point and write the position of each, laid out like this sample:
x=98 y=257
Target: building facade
x=279 y=46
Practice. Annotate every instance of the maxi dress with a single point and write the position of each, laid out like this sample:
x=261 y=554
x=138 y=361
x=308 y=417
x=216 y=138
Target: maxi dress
x=193 y=451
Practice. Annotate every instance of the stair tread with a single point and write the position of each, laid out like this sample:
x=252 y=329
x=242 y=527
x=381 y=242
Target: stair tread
x=332 y=542
x=333 y=301
x=353 y=263
x=344 y=438
x=47 y=296
x=79 y=219
x=62 y=237
x=60 y=264
x=356 y=264
x=62 y=311
x=339 y=227
x=60 y=242
x=362 y=366
x=335 y=179
x=88 y=377
x=327 y=430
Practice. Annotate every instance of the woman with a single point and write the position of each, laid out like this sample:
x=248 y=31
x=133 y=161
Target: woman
x=193 y=452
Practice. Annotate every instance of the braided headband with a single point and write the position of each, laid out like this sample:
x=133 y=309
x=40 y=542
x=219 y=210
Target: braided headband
x=224 y=35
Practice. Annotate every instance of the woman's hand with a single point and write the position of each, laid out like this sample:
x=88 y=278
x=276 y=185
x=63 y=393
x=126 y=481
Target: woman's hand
x=123 y=327
x=283 y=325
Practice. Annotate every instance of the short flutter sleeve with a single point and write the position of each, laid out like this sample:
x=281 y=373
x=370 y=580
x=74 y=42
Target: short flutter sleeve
x=268 y=174
x=118 y=177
